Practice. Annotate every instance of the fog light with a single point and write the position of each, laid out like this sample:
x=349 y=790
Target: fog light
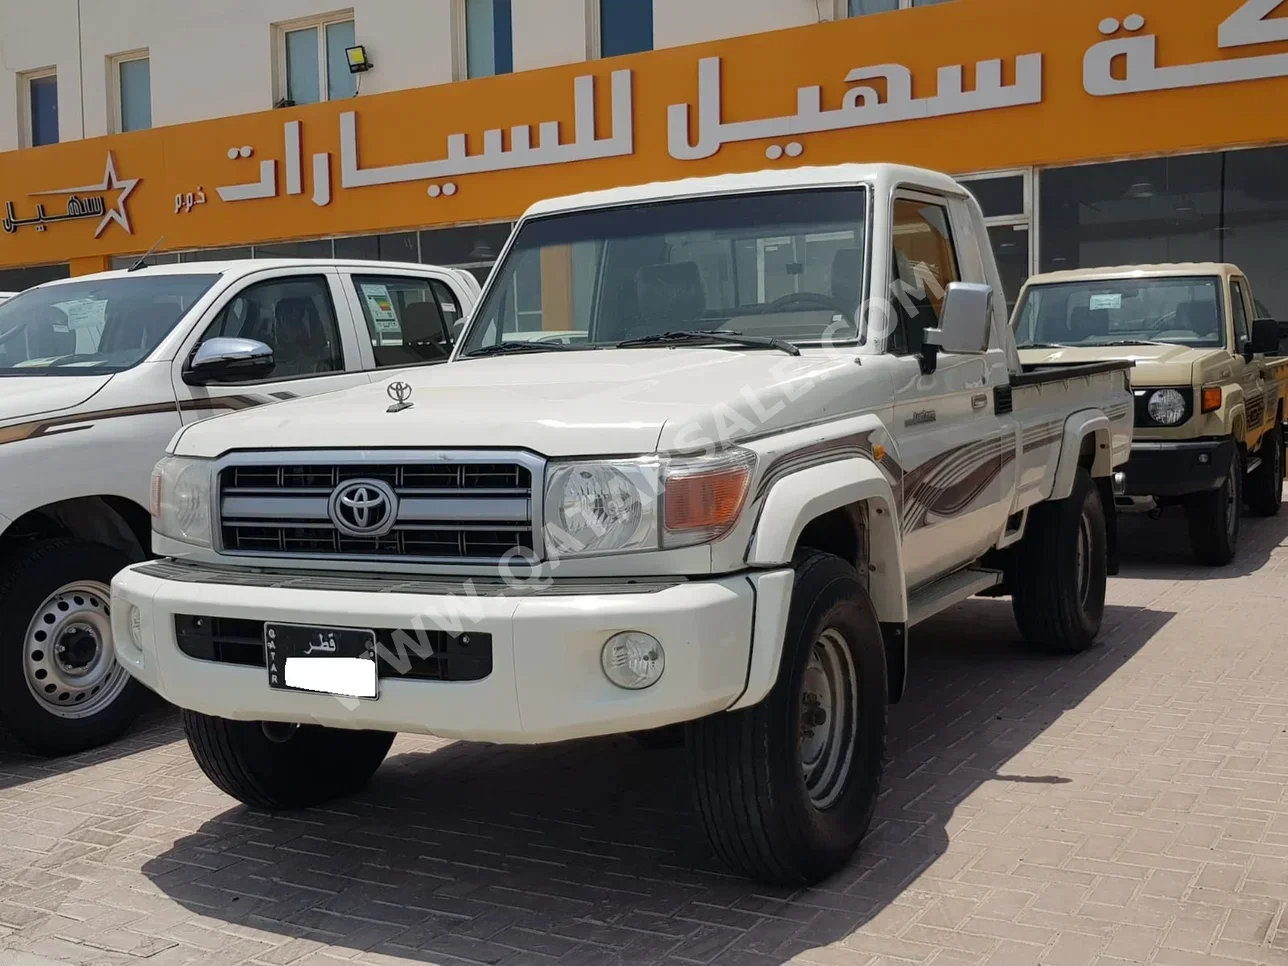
x=633 y=660
x=1205 y=458
x=134 y=618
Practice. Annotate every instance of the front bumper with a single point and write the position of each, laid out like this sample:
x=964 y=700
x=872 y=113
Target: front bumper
x=1178 y=467
x=546 y=682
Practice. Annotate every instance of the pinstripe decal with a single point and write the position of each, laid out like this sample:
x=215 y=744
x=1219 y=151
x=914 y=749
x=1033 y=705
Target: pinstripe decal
x=56 y=425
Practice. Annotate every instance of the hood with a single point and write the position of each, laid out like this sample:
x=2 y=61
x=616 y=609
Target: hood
x=1156 y=365
x=22 y=397
x=601 y=402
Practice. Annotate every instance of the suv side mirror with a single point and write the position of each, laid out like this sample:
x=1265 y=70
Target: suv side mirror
x=1265 y=336
x=965 y=321
x=229 y=360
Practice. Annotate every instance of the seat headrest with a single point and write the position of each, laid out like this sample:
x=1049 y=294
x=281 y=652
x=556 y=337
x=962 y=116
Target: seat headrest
x=422 y=322
x=1085 y=323
x=670 y=295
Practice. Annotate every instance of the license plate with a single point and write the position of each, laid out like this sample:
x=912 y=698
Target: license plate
x=323 y=660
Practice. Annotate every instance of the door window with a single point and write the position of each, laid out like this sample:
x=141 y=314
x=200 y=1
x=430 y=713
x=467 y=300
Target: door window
x=924 y=263
x=1240 y=310
x=293 y=316
x=405 y=319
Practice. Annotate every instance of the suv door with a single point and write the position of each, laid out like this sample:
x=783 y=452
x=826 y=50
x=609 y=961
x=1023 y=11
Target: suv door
x=303 y=316
x=1251 y=375
x=403 y=319
x=949 y=439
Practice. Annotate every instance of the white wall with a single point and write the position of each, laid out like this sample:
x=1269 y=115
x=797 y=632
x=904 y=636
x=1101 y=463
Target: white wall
x=214 y=58
x=549 y=32
x=678 y=22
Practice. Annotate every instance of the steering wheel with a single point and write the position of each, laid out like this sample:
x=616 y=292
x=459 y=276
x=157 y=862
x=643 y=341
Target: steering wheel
x=807 y=300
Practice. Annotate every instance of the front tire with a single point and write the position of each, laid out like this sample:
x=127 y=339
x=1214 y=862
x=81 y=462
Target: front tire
x=1060 y=571
x=786 y=789
x=61 y=688
x=1214 y=518
x=283 y=767
x=1265 y=491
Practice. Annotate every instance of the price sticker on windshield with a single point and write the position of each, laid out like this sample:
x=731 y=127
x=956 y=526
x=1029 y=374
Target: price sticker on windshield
x=1113 y=300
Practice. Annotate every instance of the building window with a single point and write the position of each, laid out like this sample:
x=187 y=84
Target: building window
x=131 y=92
x=489 y=38
x=39 y=103
x=1006 y=199
x=312 y=66
x=620 y=27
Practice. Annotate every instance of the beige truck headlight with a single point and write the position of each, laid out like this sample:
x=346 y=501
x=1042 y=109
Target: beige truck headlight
x=650 y=503
x=1166 y=407
x=181 y=500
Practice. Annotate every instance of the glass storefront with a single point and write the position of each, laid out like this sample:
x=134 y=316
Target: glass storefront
x=1230 y=206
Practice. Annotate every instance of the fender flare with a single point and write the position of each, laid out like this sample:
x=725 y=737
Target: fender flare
x=1077 y=428
x=801 y=497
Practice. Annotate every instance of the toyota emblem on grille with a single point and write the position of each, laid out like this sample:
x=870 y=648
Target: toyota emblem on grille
x=363 y=508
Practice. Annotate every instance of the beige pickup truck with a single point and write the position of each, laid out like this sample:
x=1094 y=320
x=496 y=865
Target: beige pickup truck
x=1208 y=384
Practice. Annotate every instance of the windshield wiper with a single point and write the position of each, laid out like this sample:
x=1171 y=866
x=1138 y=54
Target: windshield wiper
x=503 y=347
x=1127 y=342
x=711 y=337
x=1041 y=345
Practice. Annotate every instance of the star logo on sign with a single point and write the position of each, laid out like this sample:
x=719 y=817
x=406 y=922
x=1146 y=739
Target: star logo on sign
x=111 y=182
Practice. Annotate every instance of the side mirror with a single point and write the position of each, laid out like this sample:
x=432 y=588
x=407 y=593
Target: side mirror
x=229 y=360
x=1265 y=336
x=965 y=323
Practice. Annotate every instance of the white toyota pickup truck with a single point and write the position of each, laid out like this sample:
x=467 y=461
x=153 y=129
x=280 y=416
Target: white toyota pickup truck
x=97 y=373
x=780 y=421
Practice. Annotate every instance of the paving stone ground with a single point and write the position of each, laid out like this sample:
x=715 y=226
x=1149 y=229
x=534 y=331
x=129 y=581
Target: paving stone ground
x=1129 y=805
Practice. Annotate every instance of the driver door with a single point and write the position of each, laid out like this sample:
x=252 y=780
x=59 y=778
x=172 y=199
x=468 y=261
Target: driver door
x=303 y=316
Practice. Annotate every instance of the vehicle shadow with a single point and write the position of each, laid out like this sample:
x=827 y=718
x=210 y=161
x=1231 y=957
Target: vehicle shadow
x=590 y=850
x=157 y=726
x=1160 y=549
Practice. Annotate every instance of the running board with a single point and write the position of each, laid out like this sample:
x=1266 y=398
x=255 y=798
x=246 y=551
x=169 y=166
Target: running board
x=928 y=601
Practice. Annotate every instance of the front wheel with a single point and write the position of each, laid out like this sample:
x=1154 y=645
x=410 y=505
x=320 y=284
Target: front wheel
x=61 y=688
x=786 y=789
x=283 y=766
x=1265 y=491
x=1060 y=571
x=1214 y=518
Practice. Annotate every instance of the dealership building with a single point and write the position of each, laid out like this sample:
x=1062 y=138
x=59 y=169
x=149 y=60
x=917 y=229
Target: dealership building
x=1093 y=133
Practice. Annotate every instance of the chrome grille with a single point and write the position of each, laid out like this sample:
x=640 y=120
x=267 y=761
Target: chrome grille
x=450 y=507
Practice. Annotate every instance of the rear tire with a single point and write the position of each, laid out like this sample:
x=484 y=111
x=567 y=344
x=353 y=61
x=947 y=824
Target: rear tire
x=1265 y=489
x=1059 y=574
x=786 y=789
x=1214 y=518
x=280 y=766
x=61 y=688
x=660 y=739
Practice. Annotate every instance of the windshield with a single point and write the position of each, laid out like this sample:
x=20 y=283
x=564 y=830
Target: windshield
x=95 y=326
x=787 y=265
x=1184 y=311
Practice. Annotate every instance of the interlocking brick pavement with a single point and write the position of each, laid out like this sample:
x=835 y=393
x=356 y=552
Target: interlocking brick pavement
x=1129 y=805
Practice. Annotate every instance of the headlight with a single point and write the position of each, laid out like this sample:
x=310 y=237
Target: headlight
x=1167 y=407
x=181 y=500
x=644 y=504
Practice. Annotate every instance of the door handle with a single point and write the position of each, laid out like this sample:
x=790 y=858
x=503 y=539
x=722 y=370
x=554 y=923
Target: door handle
x=979 y=401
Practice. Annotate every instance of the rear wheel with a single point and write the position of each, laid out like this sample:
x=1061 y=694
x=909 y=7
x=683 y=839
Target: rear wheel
x=1060 y=571
x=61 y=688
x=1265 y=492
x=786 y=789
x=283 y=766
x=1214 y=518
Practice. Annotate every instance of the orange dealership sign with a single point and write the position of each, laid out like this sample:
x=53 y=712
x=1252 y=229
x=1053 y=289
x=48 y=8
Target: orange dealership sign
x=966 y=86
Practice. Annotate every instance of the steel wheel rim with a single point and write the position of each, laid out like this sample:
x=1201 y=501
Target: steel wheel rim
x=1082 y=561
x=1232 y=500
x=829 y=722
x=67 y=655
